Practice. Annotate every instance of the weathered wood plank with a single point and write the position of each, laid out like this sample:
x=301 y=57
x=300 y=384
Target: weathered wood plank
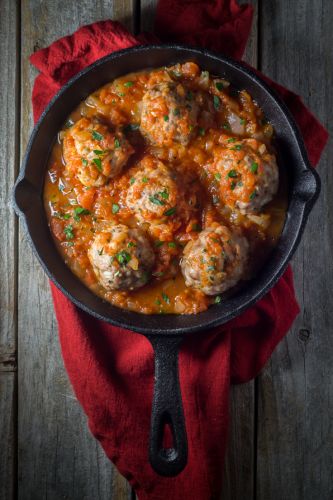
x=295 y=433
x=9 y=82
x=58 y=458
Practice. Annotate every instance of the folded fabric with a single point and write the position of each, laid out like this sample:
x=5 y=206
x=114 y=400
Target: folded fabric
x=111 y=369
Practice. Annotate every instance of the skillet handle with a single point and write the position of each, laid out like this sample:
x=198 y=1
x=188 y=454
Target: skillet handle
x=167 y=409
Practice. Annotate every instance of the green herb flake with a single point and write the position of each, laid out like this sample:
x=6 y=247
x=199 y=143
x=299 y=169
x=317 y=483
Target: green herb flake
x=196 y=227
x=131 y=244
x=80 y=211
x=158 y=302
x=128 y=84
x=99 y=152
x=154 y=199
x=116 y=143
x=253 y=195
x=202 y=131
x=171 y=211
x=166 y=118
x=219 y=85
x=238 y=147
x=233 y=185
x=132 y=180
x=254 y=167
x=232 y=173
x=144 y=179
x=172 y=244
x=216 y=102
x=115 y=208
x=217 y=176
x=68 y=230
x=176 y=112
x=96 y=135
x=164 y=194
x=232 y=139
x=226 y=126
x=98 y=163
x=217 y=299
x=165 y=298
x=189 y=95
x=243 y=121
x=123 y=257
x=158 y=243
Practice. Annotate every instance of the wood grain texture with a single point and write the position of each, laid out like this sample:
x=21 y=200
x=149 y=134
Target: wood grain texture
x=58 y=458
x=295 y=432
x=9 y=82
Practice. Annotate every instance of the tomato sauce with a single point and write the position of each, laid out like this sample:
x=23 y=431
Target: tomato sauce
x=77 y=212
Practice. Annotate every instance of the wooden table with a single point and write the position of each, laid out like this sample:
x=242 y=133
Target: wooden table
x=281 y=436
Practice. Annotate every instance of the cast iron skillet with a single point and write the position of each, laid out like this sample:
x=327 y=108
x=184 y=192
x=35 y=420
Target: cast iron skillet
x=164 y=332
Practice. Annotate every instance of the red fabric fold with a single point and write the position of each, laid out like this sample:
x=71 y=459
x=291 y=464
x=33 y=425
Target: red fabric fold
x=111 y=369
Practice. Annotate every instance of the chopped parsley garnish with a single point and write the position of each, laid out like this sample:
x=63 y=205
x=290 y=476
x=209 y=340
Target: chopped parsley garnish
x=254 y=167
x=96 y=135
x=131 y=244
x=154 y=199
x=116 y=143
x=217 y=176
x=232 y=139
x=232 y=173
x=98 y=163
x=164 y=194
x=202 y=131
x=84 y=161
x=131 y=127
x=189 y=95
x=172 y=244
x=69 y=123
x=128 y=84
x=176 y=112
x=115 y=208
x=158 y=302
x=243 y=121
x=165 y=298
x=218 y=299
x=99 y=152
x=216 y=102
x=219 y=85
x=166 y=118
x=80 y=211
x=144 y=179
x=68 y=230
x=123 y=257
x=132 y=180
x=253 y=195
x=196 y=227
x=238 y=147
x=226 y=126
x=158 y=243
x=171 y=211
x=239 y=184
x=233 y=185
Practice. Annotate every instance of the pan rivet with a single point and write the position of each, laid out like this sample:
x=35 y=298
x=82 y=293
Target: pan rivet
x=304 y=334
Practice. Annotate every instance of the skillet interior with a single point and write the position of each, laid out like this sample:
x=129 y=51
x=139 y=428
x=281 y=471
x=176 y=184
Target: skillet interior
x=303 y=182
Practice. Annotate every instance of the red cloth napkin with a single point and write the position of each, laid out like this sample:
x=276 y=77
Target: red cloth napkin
x=111 y=369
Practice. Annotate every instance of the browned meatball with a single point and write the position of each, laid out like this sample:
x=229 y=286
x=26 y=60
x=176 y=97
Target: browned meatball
x=169 y=114
x=93 y=153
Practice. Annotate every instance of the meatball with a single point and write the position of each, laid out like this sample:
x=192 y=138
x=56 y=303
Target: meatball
x=93 y=153
x=122 y=258
x=152 y=194
x=169 y=114
x=215 y=261
x=244 y=174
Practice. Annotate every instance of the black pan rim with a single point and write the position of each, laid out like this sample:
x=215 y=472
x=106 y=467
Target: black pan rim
x=303 y=207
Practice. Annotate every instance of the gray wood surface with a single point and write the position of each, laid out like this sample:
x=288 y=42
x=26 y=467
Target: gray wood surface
x=295 y=432
x=8 y=313
x=57 y=456
x=281 y=433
